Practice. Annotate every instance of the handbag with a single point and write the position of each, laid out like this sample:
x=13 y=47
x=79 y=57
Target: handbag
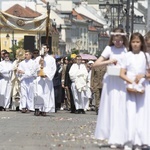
x=136 y=88
x=131 y=90
x=113 y=70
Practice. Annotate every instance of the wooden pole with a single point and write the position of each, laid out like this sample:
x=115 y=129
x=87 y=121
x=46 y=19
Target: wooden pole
x=0 y=42
x=47 y=22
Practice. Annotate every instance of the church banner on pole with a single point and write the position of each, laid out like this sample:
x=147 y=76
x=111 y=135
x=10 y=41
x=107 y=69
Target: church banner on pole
x=23 y=24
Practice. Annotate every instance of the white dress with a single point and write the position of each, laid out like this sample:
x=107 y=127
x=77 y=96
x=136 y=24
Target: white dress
x=146 y=113
x=111 y=120
x=137 y=117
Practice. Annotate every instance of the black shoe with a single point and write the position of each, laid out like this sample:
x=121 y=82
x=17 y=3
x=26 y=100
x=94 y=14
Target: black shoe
x=96 y=111
x=23 y=110
x=17 y=108
x=37 y=112
x=82 y=111
x=2 y=108
x=72 y=112
x=77 y=111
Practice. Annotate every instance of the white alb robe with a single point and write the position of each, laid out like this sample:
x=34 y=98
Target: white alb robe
x=78 y=75
x=26 y=84
x=44 y=90
x=6 y=68
x=15 y=85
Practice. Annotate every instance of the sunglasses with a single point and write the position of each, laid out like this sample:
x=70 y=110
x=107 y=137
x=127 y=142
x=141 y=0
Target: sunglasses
x=35 y=53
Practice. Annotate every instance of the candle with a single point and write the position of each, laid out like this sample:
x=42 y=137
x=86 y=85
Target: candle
x=42 y=51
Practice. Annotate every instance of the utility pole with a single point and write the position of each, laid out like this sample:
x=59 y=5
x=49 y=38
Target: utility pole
x=132 y=17
x=148 y=16
x=127 y=17
x=0 y=42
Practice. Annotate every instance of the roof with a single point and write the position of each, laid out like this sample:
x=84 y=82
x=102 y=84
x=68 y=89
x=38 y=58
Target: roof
x=78 y=16
x=91 y=28
x=20 y=11
x=91 y=13
x=44 y=1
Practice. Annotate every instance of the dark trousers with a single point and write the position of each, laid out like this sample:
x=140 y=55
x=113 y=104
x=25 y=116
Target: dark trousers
x=97 y=96
x=71 y=100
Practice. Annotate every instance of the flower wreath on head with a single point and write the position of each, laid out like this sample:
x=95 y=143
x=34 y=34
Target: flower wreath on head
x=118 y=33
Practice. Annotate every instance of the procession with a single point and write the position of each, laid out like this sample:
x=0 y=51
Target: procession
x=74 y=75
x=45 y=84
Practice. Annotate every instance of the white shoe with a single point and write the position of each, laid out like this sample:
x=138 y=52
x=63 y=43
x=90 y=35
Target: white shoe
x=61 y=108
x=113 y=146
x=137 y=148
x=127 y=147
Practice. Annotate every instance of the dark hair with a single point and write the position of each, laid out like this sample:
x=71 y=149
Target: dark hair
x=6 y=53
x=35 y=50
x=78 y=56
x=4 y=50
x=139 y=35
x=125 y=39
x=46 y=45
x=28 y=51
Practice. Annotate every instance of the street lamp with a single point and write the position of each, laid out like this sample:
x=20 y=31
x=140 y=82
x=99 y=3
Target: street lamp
x=13 y=41
x=113 y=9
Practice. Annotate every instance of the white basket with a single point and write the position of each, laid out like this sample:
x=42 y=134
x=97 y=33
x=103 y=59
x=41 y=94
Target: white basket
x=113 y=70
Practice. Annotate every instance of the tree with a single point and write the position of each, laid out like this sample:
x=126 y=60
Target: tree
x=75 y=51
x=15 y=47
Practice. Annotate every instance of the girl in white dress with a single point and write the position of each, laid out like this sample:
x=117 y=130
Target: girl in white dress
x=146 y=109
x=111 y=121
x=134 y=67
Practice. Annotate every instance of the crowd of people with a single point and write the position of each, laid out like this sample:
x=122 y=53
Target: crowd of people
x=124 y=117
x=45 y=83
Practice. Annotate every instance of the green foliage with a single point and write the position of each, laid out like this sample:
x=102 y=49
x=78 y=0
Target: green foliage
x=98 y=53
x=75 y=51
x=15 y=47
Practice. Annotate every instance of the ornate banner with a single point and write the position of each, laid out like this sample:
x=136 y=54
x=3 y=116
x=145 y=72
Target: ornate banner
x=24 y=24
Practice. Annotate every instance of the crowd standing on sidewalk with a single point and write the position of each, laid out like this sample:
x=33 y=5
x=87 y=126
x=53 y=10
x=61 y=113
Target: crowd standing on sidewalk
x=116 y=84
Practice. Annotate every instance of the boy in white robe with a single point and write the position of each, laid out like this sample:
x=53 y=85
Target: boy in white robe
x=26 y=72
x=44 y=89
x=6 y=69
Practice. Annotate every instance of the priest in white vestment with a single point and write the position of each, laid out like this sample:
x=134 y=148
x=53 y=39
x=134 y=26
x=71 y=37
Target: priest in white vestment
x=78 y=74
x=44 y=90
x=6 y=69
x=26 y=72
x=15 y=94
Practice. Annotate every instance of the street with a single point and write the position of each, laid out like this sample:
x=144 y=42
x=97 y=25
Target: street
x=56 y=131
